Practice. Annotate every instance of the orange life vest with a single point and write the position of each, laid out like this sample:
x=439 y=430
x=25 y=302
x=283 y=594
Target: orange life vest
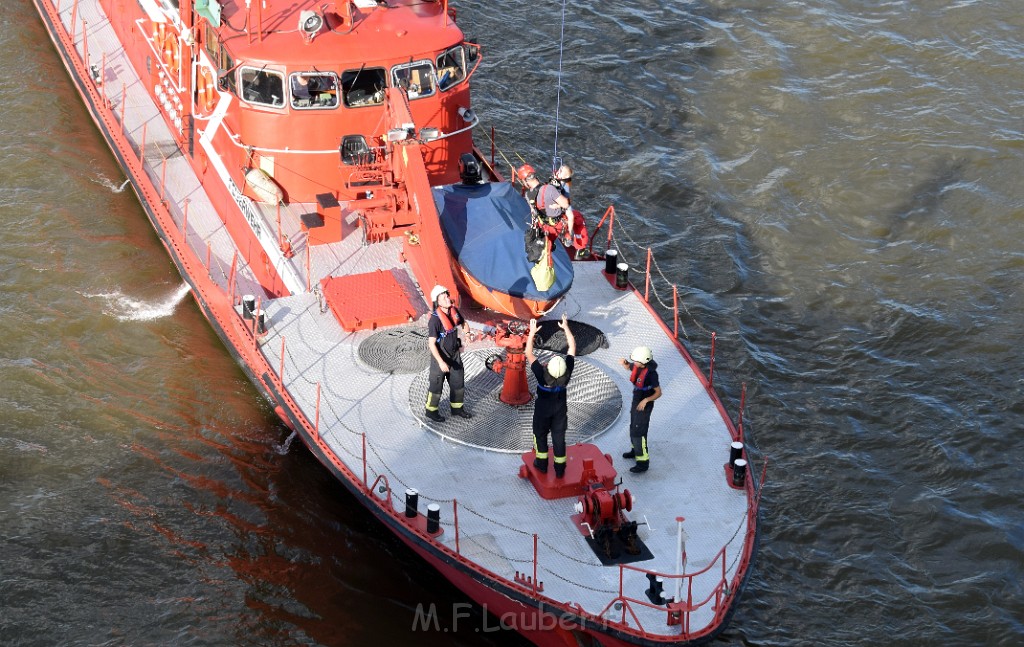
x=637 y=376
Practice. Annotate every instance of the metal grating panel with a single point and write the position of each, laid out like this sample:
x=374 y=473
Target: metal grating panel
x=594 y=405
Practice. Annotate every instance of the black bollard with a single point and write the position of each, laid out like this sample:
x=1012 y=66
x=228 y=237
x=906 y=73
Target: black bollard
x=611 y=259
x=248 y=306
x=261 y=324
x=433 y=518
x=622 y=276
x=656 y=591
x=412 y=501
x=739 y=472
x=735 y=452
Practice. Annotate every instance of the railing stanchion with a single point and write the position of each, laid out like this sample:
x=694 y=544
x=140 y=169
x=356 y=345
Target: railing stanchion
x=209 y=268
x=232 y=276
x=280 y=245
x=259 y=16
x=493 y=148
x=316 y=429
x=124 y=101
x=184 y=221
x=85 y=43
x=675 y=312
x=455 y=514
x=309 y=284
x=256 y=322
x=142 y=146
x=535 y=563
x=364 y=459
x=680 y=556
x=711 y=367
x=163 y=177
x=611 y=224
x=743 y=404
x=610 y=211
x=74 y=19
x=280 y=372
x=647 y=286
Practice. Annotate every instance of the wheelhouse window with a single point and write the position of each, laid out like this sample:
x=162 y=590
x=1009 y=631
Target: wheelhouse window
x=363 y=87
x=451 y=68
x=417 y=78
x=314 y=90
x=263 y=87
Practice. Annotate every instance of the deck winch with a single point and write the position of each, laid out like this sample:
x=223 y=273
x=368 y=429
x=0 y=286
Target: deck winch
x=602 y=507
x=613 y=537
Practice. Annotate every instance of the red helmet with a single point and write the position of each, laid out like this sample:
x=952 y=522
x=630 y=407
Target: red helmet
x=525 y=171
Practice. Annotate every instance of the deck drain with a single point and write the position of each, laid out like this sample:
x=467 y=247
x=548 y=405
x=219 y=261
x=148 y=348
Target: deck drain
x=594 y=405
x=397 y=350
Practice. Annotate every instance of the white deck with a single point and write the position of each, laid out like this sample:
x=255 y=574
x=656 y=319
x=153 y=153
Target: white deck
x=498 y=512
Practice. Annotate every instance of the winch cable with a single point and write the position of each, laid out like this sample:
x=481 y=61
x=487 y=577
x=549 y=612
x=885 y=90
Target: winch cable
x=556 y=159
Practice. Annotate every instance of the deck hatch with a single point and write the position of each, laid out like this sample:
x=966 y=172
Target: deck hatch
x=368 y=301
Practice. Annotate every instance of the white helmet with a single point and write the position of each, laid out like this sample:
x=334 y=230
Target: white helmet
x=437 y=292
x=556 y=367
x=641 y=355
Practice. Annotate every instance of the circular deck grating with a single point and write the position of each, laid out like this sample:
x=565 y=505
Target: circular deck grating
x=397 y=350
x=594 y=404
x=588 y=338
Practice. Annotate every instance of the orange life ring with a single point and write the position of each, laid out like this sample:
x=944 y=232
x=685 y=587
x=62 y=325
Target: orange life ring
x=159 y=33
x=206 y=91
x=171 y=53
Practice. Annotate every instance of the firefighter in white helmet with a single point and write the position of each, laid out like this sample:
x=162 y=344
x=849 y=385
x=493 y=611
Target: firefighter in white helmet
x=643 y=374
x=446 y=356
x=551 y=411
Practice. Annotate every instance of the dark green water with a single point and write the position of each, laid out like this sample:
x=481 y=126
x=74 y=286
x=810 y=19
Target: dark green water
x=836 y=187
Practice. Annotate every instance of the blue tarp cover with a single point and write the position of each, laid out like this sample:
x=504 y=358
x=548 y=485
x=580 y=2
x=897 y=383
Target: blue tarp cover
x=485 y=226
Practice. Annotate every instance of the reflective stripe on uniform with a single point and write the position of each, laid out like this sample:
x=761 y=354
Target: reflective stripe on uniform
x=644 y=456
x=431 y=404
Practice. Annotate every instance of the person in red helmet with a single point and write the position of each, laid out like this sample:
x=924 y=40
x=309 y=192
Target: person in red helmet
x=528 y=176
x=551 y=209
x=554 y=213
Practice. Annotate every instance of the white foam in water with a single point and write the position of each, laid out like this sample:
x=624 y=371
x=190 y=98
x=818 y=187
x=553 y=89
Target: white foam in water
x=283 y=448
x=102 y=180
x=126 y=308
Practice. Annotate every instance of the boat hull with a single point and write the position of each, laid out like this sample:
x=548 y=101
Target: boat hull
x=543 y=621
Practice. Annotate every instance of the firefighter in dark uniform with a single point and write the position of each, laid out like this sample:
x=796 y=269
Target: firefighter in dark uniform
x=643 y=374
x=550 y=411
x=446 y=359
